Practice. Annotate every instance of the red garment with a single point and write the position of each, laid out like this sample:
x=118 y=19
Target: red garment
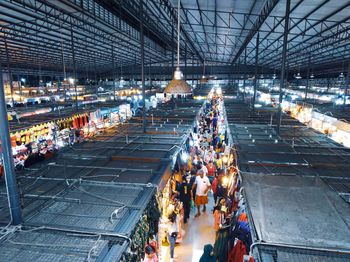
x=214 y=185
x=251 y=259
x=76 y=122
x=237 y=253
x=82 y=121
x=211 y=170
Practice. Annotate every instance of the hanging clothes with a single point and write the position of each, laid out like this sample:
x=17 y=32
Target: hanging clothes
x=221 y=245
x=242 y=217
x=75 y=123
x=237 y=252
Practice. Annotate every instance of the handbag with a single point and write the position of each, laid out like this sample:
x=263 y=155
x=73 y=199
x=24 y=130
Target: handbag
x=165 y=242
x=192 y=204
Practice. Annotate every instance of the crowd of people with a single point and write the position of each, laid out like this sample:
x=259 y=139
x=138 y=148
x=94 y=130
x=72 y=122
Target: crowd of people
x=208 y=168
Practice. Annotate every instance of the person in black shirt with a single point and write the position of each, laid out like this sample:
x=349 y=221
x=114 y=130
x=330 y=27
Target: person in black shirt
x=185 y=194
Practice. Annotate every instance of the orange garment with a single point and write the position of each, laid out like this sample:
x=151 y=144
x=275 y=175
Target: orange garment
x=216 y=220
x=13 y=141
x=243 y=217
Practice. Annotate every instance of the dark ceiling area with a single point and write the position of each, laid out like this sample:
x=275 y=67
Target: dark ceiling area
x=103 y=36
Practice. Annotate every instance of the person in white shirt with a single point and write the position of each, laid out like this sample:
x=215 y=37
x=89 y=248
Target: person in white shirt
x=202 y=185
x=203 y=168
x=173 y=230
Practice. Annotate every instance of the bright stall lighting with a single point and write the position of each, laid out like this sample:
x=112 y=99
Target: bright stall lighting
x=184 y=156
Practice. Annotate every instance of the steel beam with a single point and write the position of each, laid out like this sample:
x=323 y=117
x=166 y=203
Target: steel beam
x=9 y=72
x=10 y=174
x=113 y=74
x=308 y=79
x=244 y=76
x=143 y=68
x=347 y=83
x=256 y=81
x=283 y=67
x=265 y=12
x=74 y=70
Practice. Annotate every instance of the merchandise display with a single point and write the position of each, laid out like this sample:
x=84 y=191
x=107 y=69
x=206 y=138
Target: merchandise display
x=39 y=142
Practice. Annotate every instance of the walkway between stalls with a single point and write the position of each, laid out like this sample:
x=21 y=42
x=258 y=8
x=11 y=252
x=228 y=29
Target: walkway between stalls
x=199 y=232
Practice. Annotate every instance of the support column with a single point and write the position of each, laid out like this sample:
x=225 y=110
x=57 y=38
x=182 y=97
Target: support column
x=64 y=73
x=283 y=67
x=347 y=83
x=113 y=74
x=10 y=175
x=244 y=76
x=95 y=78
x=74 y=70
x=10 y=73
x=185 y=71
x=308 y=78
x=149 y=73
x=328 y=84
x=172 y=50
x=256 y=69
x=192 y=67
x=143 y=67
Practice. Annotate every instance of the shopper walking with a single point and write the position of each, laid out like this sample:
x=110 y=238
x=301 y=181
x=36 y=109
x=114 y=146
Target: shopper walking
x=211 y=171
x=185 y=196
x=202 y=186
x=173 y=231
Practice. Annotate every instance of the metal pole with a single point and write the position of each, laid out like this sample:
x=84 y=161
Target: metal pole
x=328 y=84
x=95 y=77
x=172 y=49
x=283 y=67
x=10 y=175
x=347 y=84
x=149 y=73
x=74 y=70
x=245 y=68
x=308 y=78
x=185 y=73
x=113 y=74
x=10 y=73
x=256 y=69
x=143 y=67
x=192 y=66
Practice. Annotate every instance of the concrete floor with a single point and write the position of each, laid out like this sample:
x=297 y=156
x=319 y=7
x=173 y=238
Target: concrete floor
x=199 y=232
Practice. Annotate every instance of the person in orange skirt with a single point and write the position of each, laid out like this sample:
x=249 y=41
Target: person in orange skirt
x=202 y=186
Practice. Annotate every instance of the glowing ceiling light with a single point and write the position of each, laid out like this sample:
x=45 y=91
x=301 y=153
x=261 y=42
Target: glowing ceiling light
x=298 y=76
x=178 y=85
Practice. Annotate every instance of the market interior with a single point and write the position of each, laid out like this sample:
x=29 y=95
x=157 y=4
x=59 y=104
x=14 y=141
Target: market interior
x=175 y=130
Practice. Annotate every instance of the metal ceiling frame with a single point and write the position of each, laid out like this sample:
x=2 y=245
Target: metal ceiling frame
x=38 y=34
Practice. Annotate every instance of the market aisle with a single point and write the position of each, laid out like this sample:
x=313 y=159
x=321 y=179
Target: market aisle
x=199 y=232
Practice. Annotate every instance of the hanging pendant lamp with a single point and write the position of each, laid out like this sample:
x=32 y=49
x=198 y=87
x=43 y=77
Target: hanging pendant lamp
x=178 y=85
x=203 y=79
